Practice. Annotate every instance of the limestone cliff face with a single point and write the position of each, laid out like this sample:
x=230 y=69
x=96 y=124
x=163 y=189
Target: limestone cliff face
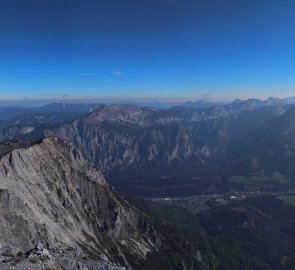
x=127 y=141
x=134 y=145
x=50 y=194
x=130 y=144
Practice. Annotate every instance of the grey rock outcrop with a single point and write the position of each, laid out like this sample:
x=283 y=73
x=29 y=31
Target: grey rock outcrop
x=50 y=195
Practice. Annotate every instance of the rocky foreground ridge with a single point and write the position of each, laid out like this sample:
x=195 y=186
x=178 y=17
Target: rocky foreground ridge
x=53 y=200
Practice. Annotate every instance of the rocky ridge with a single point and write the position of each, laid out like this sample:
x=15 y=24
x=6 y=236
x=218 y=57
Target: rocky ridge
x=50 y=195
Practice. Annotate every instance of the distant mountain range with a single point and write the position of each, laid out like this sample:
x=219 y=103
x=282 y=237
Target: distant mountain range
x=163 y=152
x=198 y=103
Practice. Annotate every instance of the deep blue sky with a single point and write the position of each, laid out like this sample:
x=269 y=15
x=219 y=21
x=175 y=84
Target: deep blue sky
x=147 y=48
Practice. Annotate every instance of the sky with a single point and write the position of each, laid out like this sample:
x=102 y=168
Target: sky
x=146 y=49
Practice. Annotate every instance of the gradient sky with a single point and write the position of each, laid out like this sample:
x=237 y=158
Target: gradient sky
x=220 y=49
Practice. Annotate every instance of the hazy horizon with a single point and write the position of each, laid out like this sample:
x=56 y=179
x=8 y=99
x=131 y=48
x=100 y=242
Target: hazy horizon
x=122 y=100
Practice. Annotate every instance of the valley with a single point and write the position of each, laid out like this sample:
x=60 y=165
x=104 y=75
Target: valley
x=260 y=225
x=202 y=203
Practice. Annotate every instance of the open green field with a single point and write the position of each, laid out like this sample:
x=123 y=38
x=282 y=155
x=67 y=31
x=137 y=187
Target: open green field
x=287 y=199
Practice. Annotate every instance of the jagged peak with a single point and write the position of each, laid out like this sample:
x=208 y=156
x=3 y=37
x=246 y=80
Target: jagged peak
x=105 y=107
x=9 y=146
x=120 y=107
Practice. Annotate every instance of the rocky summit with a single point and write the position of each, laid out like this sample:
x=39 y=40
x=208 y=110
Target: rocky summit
x=58 y=212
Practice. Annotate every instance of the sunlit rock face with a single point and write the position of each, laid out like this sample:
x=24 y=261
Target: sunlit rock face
x=50 y=194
